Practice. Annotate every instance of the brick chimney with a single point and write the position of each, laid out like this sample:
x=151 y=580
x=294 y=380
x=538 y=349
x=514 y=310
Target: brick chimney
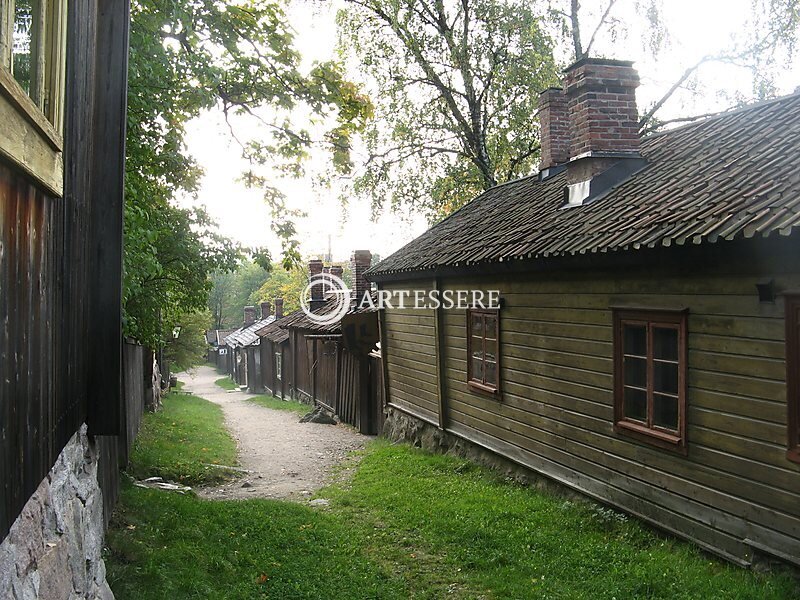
x=554 y=135
x=265 y=309
x=337 y=271
x=360 y=261
x=603 y=124
x=249 y=315
x=317 y=291
x=278 y=308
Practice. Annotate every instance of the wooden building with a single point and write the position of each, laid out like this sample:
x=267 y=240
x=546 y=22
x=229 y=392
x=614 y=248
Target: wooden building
x=63 y=77
x=242 y=348
x=276 y=364
x=331 y=363
x=646 y=347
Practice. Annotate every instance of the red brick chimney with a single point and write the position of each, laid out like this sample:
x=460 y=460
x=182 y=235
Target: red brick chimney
x=317 y=291
x=265 y=309
x=337 y=271
x=554 y=135
x=604 y=127
x=249 y=315
x=278 y=308
x=360 y=261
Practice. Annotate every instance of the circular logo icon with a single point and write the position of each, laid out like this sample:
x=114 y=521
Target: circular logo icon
x=336 y=296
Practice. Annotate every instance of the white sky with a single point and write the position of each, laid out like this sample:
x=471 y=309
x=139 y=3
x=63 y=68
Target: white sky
x=696 y=28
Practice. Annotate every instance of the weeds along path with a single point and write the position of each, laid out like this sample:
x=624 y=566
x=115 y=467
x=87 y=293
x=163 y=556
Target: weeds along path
x=283 y=458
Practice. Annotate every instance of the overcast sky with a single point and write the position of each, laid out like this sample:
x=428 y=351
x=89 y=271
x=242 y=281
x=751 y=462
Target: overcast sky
x=696 y=28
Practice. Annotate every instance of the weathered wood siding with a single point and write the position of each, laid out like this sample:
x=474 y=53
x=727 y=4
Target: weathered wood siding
x=412 y=366
x=735 y=490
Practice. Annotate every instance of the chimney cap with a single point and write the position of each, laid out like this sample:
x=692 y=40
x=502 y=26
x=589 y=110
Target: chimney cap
x=587 y=60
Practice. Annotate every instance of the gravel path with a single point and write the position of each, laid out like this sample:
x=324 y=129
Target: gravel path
x=284 y=458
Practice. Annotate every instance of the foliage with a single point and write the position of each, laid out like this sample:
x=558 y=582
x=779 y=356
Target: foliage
x=189 y=348
x=277 y=404
x=180 y=441
x=286 y=284
x=226 y=383
x=410 y=525
x=232 y=291
x=453 y=84
x=186 y=57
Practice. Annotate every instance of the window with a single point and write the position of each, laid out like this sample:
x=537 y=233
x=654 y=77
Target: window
x=278 y=360
x=650 y=376
x=32 y=74
x=792 y=306
x=483 y=353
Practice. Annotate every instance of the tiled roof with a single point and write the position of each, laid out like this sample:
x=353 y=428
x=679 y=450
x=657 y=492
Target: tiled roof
x=246 y=336
x=735 y=175
x=274 y=331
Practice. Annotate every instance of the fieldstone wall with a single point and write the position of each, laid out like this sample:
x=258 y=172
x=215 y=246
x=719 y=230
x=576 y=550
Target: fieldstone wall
x=53 y=550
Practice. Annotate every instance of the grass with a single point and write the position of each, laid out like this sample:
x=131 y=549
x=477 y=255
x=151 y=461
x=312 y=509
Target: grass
x=181 y=440
x=408 y=524
x=274 y=403
x=226 y=383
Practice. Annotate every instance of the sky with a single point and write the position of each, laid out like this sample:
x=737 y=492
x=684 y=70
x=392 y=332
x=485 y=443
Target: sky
x=696 y=28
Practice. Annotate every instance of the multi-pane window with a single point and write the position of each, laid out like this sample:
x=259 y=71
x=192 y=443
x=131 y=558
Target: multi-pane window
x=793 y=375
x=483 y=351
x=278 y=365
x=650 y=376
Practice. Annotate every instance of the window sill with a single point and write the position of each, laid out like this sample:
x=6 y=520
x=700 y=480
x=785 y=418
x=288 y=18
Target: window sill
x=654 y=437
x=484 y=389
x=29 y=142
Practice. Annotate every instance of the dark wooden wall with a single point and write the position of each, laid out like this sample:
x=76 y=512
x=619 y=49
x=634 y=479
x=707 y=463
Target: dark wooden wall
x=735 y=491
x=302 y=358
x=60 y=341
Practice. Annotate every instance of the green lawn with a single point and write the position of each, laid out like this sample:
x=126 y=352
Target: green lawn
x=180 y=441
x=407 y=525
x=274 y=403
x=226 y=383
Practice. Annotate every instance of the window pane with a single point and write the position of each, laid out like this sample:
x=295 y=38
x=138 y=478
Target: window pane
x=635 y=404
x=491 y=349
x=491 y=373
x=635 y=340
x=665 y=411
x=477 y=369
x=635 y=371
x=23 y=44
x=665 y=377
x=491 y=327
x=665 y=343
x=477 y=325
x=477 y=347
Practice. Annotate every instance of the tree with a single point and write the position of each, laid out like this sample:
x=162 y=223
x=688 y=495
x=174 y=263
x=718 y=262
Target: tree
x=771 y=33
x=189 y=347
x=187 y=56
x=232 y=291
x=456 y=92
x=283 y=283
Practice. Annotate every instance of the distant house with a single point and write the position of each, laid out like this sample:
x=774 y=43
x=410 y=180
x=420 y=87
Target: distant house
x=328 y=365
x=242 y=347
x=217 y=350
x=646 y=349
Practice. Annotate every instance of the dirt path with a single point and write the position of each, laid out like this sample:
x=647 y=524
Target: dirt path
x=284 y=458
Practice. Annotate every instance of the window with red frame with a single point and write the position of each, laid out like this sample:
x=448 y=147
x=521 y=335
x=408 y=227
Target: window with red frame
x=650 y=376
x=483 y=351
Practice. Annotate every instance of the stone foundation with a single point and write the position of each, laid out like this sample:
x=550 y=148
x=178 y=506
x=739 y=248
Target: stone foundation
x=53 y=550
